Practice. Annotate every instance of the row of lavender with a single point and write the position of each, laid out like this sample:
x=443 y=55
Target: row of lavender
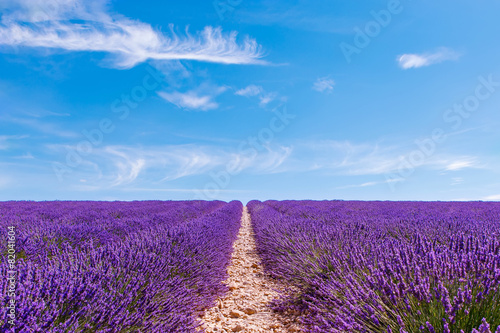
x=384 y=266
x=116 y=267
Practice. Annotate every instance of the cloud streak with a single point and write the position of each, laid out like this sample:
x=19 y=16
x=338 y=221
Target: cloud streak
x=113 y=166
x=4 y=140
x=257 y=91
x=197 y=99
x=41 y=126
x=459 y=164
x=495 y=197
x=413 y=60
x=251 y=90
x=367 y=184
x=364 y=159
x=323 y=85
x=190 y=100
x=72 y=25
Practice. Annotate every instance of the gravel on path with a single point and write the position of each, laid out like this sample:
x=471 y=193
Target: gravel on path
x=246 y=307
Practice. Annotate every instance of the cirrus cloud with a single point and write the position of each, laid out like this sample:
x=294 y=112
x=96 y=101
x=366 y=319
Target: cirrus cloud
x=190 y=100
x=324 y=85
x=413 y=60
x=201 y=98
x=75 y=25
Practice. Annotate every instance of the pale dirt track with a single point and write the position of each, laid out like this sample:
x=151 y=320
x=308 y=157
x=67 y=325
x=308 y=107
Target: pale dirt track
x=246 y=307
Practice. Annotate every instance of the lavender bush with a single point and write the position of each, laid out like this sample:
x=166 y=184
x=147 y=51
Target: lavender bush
x=384 y=266
x=116 y=267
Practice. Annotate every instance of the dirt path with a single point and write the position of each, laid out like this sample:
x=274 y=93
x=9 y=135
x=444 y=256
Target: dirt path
x=245 y=308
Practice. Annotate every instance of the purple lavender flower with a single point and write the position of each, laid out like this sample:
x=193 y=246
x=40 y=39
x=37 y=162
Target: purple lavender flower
x=110 y=266
x=378 y=263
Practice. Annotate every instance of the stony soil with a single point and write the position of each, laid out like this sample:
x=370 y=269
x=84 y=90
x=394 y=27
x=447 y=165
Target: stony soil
x=246 y=307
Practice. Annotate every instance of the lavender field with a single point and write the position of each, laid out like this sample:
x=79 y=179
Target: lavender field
x=116 y=267
x=341 y=266
x=384 y=266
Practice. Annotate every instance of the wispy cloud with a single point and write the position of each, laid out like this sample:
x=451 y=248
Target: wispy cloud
x=182 y=190
x=26 y=156
x=113 y=166
x=413 y=60
x=323 y=85
x=357 y=185
x=257 y=91
x=495 y=197
x=4 y=140
x=267 y=98
x=272 y=160
x=190 y=100
x=370 y=158
x=251 y=90
x=457 y=181
x=350 y=158
x=128 y=172
x=459 y=164
x=367 y=184
x=198 y=99
x=45 y=113
x=127 y=167
x=77 y=25
x=41 y=126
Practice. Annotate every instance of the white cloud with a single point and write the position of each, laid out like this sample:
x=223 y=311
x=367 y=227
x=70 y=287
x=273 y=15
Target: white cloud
x=4 y=140
x=45 y=10
x=190 y=100
x=201 y=98
x=251 y=90
x=457 y=181
x=357 y=185
x=257 y=91
x=26 y=156
x=267 y=98
x=461 y=164
x=127 y=169
x=175 y=73
x=368 y=184
x=495 y=197
x=323 y=85
x=364 y=159
x=113 y=166
x=182 y=190
x=355 y=159
x=270 y=161
x=77 y=25
x=412 y=60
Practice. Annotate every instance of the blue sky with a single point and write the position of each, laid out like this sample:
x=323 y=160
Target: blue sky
x=232 y=99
